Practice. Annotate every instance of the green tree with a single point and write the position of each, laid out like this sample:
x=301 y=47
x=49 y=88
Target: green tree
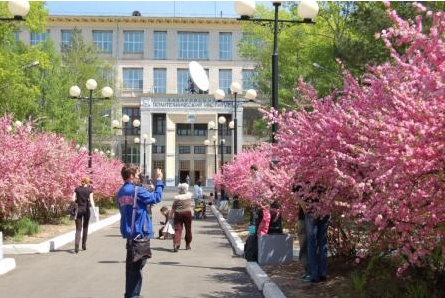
x=80 y=62
x=17 y=93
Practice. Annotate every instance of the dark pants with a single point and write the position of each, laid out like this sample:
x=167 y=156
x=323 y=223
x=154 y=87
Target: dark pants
x=82 y=220
x=182 y=219
x=133 y=275
x=302 y=239
x=317 y=245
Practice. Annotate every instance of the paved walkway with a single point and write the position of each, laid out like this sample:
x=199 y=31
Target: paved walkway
x=209 y=269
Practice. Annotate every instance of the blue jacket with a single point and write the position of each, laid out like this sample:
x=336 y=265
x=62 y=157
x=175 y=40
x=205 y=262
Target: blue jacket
x=124 y=200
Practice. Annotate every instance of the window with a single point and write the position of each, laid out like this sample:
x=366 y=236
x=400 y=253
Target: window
x=158 y=149
x=200 y=129
x=193 y=45
x=183 y=78
x=133 y=113
x=17 y=36
x=66 y=38
x=225 y=79
x=133 y=41
x=225 y=46
x=103 y=40
x=184 y=149
x=158 y=164
x=160 y=80
x=184 y=165
x=132 y=79
x=183 y=129
x=200 y=149
x=37 y=38
x=132 y=155
x=226 y=149
x=159 y=124
x=248 y=79
x=160 y=45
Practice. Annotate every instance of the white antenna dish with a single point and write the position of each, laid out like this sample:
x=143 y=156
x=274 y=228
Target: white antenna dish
x=199 y=76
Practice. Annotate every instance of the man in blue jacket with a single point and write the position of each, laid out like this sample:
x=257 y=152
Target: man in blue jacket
x=143 y=227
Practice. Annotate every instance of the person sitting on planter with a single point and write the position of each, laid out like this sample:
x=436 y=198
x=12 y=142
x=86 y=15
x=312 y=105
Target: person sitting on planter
x=275 y=226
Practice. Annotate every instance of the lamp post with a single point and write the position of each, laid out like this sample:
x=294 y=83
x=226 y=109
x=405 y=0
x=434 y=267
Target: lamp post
x=149 y=143
x=212 y=126
x=236 y=89
x=107 y=92
x=307 y=9
x=136 y=123
x=19 y=9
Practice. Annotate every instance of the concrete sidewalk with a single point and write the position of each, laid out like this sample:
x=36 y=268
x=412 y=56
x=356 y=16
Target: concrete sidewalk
x=209 y=269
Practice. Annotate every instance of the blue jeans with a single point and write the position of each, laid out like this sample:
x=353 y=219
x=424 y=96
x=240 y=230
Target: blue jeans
x=317 y=245
x=133 y=275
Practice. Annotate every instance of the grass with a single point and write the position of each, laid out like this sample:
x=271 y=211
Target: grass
x=19 y=228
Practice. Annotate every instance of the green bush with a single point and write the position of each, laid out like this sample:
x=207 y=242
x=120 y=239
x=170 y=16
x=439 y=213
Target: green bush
x=19 y=227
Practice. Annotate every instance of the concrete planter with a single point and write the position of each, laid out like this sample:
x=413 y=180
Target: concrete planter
x=235 y=216
x=275 y=249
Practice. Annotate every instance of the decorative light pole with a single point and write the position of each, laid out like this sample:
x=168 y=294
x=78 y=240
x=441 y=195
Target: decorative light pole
x=307 y=10
x=212 y=126
x=107 y=92
x=136 y=123
x=236 y=89
x=19 y=9
x=145 y=143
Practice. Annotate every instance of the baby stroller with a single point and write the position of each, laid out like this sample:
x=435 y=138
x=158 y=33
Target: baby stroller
x=200 y=210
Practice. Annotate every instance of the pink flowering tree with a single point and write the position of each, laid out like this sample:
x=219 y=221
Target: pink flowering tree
x=376 y=149
x=41 y=170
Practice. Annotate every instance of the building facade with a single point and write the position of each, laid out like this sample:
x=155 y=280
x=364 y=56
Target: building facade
x=151 y=57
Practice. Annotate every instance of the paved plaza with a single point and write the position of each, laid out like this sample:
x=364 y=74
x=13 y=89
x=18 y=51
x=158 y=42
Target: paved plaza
x=209 y=269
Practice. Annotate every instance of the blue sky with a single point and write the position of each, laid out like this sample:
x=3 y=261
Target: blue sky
x=146 y=8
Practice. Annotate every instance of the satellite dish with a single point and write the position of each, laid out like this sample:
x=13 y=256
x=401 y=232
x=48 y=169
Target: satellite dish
x=199 y=76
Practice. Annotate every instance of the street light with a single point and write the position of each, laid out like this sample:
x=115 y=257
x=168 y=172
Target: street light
x=212 y=126
x=307 y=9
x=107 y=92
x=136 y=123
x=236 y=89
x=19 y=9
x=149 y=143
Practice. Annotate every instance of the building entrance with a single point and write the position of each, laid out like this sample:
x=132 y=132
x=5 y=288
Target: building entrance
x=183 y=176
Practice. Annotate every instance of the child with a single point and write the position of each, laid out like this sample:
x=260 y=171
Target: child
x=263 y=219
x=166 y=230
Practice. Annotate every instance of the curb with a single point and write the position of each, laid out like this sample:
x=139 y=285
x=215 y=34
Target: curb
x=6 y=265
x=262 y=281
x=54 y=243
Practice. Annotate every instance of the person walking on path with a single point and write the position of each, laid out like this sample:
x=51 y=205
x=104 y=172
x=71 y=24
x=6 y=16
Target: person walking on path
x=83 y=196
x=197 y=192
x=182 y=214
x=137 y=223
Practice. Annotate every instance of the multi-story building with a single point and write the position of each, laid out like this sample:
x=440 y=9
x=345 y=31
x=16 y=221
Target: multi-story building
x=152 y=56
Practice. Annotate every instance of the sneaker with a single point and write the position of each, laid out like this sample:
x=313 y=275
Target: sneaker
x=305 y=275
x=307 y=278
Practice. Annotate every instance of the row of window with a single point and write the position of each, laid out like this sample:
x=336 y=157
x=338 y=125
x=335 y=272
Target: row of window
x=133 y=153
x=133 y=80
x=190 y=45
x=159 y=124
x=201 y=149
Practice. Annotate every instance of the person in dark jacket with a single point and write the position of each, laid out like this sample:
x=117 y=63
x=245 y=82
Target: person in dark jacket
x=142 y=227
x=83 y=196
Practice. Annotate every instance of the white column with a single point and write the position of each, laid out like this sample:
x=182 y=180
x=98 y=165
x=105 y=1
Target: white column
x=170 y=150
